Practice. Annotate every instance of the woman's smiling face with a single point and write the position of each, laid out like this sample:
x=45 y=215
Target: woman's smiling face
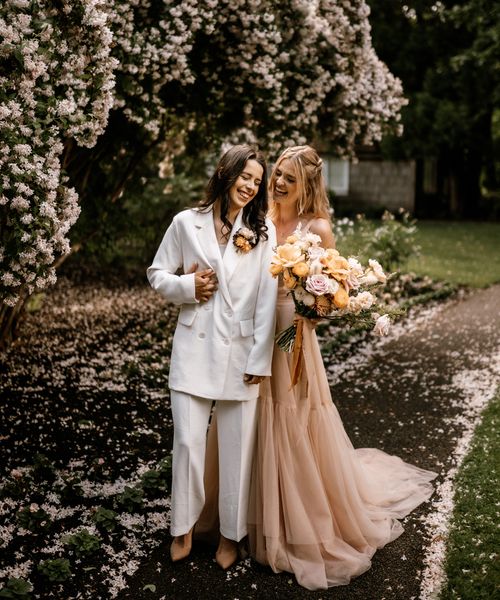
x=246 y=185
x=284 y=187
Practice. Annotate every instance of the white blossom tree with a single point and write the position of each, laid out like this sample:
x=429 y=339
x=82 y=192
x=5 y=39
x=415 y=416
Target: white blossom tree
x=234 y=70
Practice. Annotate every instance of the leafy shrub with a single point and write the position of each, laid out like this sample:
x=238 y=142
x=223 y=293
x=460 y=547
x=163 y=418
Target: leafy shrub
x=152 y=481
x=71 y=490
x=391 y=240
x=107 y=519
x=394 y=241
x=159 y=479
x=55 y=569
x=165 y=466
x=131 y=499
x=43 y=469
x=33 y=518
x=16 y=486
x=83 y=543
x=16 y=588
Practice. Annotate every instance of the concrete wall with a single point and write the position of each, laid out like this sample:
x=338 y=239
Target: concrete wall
x=381 y=183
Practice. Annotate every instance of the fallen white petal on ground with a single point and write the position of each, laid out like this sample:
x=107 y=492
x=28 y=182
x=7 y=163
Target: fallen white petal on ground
x=475 y=388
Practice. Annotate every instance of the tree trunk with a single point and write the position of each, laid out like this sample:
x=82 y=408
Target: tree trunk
x=465 y=189
x=10 y=318
x=491 y=182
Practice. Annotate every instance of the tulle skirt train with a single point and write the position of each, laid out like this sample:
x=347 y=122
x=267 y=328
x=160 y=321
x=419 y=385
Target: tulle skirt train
x=319 y=508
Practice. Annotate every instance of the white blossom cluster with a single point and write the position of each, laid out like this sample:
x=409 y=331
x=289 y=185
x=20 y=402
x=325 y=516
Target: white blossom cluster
x=249 y=70
x=56 y=82
x=152 y=42
x=359 y=95
x=306 y=70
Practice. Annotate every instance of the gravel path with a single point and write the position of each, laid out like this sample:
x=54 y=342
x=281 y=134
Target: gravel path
x=406 y=395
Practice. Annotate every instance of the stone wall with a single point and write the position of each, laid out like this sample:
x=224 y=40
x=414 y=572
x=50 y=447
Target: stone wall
x=381 y=183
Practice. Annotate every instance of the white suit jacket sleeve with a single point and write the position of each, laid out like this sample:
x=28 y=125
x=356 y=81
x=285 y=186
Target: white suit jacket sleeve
x=260 y=358
x=178 y=289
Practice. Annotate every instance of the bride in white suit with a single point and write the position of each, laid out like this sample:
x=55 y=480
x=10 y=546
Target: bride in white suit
x=222 y=346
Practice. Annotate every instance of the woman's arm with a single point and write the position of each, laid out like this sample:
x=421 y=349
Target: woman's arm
x=179 y=289
x=259 y=359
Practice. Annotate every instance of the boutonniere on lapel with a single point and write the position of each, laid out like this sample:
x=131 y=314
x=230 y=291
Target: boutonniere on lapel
x=244 y=240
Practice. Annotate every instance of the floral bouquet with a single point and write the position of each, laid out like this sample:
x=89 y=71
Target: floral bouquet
x=325 y=285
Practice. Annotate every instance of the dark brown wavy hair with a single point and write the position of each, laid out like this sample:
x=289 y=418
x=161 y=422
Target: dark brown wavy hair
x=226 y=173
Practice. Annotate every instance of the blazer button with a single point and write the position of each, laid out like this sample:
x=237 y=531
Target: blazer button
x=229 y=313
x=226 y=342
x=201 y=335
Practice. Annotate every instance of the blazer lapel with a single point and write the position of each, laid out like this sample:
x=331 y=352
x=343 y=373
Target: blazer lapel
x=205 y=231
x=231 y=255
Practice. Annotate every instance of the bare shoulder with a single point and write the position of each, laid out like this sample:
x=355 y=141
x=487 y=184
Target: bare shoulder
x=320 y=226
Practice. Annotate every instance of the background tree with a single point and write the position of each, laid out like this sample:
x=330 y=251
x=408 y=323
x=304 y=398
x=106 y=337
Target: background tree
x=93 y=93
x=446 y=54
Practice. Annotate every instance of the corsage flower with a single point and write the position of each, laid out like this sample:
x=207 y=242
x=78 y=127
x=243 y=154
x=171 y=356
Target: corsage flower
x=244 y=240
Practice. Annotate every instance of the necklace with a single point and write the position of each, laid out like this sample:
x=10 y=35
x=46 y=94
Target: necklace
x=283 y=232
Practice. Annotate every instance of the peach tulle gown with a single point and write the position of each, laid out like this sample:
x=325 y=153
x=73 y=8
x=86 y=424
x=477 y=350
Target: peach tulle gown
x=319 y=508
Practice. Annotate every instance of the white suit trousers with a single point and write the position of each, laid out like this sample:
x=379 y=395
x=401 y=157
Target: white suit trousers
x=236 y=425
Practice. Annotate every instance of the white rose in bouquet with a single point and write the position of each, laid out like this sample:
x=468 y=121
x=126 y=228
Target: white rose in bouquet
x=334 y=286
x=366 y=300
x=377 y=270
x=355 y=272
x=316 y=252
x=368 y=278
x=363 y=301
x=382 y=325
x=312 y=239
x=316 y=267
x=354 y=305
x=374 y=274
x=355 y=266
x=302 y=296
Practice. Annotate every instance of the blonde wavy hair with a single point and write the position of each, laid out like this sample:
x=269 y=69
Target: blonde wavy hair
x=308 y=168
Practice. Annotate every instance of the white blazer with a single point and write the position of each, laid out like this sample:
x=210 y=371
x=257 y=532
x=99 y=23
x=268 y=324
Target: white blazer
x=217 y=342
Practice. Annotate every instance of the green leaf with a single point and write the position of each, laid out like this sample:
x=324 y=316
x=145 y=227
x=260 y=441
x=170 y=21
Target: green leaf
x=16 y=588
x=18 y=55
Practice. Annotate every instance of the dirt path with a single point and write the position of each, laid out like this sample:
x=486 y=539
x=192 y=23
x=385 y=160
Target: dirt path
x=399 y=395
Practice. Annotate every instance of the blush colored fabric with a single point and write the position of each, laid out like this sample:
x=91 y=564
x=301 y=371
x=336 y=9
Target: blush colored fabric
x=319 y=508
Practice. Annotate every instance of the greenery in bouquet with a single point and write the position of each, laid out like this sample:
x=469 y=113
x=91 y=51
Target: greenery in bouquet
x=325 y=285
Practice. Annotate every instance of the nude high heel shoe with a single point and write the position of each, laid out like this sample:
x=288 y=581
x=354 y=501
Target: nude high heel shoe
x=181 y=546
x=227 y=552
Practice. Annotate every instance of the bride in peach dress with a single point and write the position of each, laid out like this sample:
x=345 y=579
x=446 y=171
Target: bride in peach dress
x=319 y=508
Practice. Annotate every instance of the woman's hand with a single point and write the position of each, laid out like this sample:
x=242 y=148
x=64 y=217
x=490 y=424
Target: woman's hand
x=316 y=322
x=205 y=283
x=253 y=379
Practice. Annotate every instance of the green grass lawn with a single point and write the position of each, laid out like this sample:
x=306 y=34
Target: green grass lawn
x=472 y=561
x=463 y=253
